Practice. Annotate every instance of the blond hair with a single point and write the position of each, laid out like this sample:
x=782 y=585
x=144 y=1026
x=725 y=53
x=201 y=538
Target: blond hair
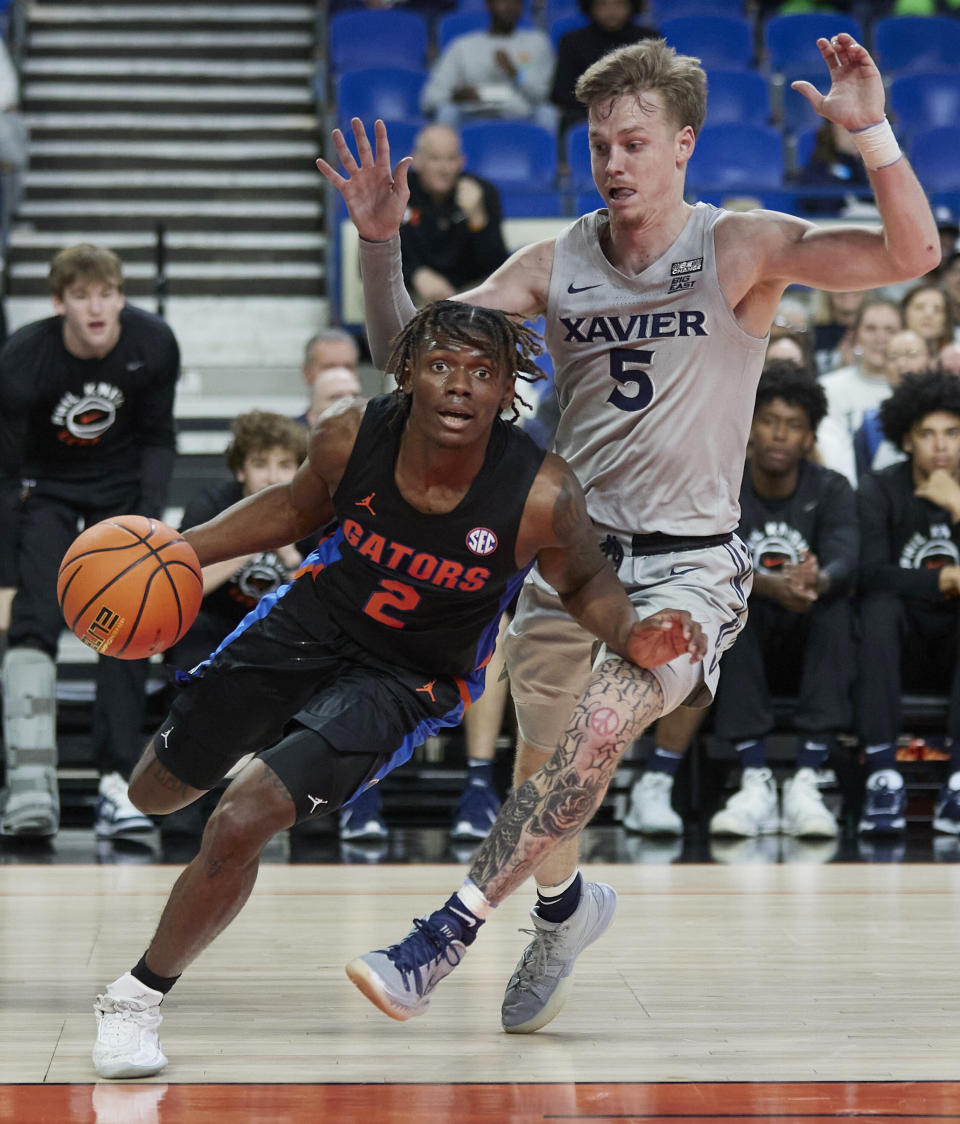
x=92 y=263
x=648 y=65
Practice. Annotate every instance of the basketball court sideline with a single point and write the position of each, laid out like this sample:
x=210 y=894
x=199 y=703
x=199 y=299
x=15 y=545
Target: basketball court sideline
x=744 y=992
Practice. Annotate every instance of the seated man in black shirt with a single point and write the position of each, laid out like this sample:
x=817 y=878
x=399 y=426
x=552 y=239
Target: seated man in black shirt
x=611 y=25
x=86 y=398
x=909 y=584
x=798 y=520
x=450 y=237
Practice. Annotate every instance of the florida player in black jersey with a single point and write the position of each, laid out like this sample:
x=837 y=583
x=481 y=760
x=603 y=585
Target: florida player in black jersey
x=442 y=508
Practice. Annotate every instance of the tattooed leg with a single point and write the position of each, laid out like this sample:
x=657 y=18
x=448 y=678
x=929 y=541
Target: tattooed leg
x=157 y=791
x=558 y=800
x=212 y=890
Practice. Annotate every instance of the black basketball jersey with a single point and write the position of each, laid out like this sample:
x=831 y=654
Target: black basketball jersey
x=426 y=591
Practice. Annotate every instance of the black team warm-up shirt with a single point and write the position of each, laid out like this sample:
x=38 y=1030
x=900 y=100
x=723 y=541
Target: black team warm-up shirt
x=93 y=432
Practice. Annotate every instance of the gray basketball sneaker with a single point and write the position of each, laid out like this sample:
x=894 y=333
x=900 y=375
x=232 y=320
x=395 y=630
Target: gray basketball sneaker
x=538 y=988
x=400 y=979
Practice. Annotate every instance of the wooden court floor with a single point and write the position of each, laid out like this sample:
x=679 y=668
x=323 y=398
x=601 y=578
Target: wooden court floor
x=801 y=992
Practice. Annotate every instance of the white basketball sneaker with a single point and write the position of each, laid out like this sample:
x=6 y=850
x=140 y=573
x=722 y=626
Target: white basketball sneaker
x=128 y=1020
x=753 y=808
x=651 y=812
x=804 y=812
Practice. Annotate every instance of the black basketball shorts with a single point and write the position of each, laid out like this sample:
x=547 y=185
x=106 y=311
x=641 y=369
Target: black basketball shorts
x=289 y=670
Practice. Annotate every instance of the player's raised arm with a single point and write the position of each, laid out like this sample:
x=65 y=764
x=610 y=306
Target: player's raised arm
x=849 y=258
x=284 y=513
x=556 y=524
x=376 y=197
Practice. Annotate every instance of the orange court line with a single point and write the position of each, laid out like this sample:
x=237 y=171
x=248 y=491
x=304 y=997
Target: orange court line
x=471 y=1103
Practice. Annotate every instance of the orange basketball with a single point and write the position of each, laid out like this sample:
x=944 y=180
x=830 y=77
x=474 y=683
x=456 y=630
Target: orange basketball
x=130 y=586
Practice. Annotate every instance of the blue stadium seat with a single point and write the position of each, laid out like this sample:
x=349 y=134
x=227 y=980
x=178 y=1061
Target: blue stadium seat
x=463 y=22
x=925 y=101
x=562 y=24
x=935 y=155
x=392 y=93
x=401 y=135
x=515 y=155
x=916 y=43
x=737 y=96
x=377 y=37
x=554 y=10
x=743 y=158
x=791 y=40
x=798 y=114
x=531 y=204
x=660 y=10
x=576 y=147
x=720 y=42
x=588 y=201
x=806 y=142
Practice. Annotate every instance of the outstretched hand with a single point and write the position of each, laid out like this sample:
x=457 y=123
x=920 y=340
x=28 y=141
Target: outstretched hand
x=856 y=97
x=662 y=637
x=376 y=196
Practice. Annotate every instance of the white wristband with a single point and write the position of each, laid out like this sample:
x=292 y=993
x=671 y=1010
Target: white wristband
x=877 y=145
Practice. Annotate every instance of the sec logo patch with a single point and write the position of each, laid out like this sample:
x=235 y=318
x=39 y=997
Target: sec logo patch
x=481 y=540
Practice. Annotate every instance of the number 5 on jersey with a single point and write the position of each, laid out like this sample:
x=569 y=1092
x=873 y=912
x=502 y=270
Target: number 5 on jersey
x=626 y=368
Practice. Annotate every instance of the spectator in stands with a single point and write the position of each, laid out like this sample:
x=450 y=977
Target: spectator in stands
x=906 y=354
x=87 y=402
x=264 y=449
x=949 y=278
x=949 y=358
x=332 y=347
x=798 y=520
x=909 y=584
x=833 y=327
x=790 y=346
x=792 y=324
x=949 y=228
x=503 y=72
x=926 y=310
x=861 y=386
x=836 y=168
x=612 y=24
x=451 y=237
x=328 y=387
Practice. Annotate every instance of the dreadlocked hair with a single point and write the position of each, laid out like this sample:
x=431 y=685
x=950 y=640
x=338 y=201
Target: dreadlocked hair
x=513 y=346
x=795 y=385
x=914 y=398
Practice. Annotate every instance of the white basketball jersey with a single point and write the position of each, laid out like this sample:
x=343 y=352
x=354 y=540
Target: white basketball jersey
x=656 y=382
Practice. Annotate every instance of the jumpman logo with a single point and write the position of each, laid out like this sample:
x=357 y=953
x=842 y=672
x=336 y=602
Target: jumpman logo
x=166 y=734
x=427 y=688
x=315 y=801
x=367 y=502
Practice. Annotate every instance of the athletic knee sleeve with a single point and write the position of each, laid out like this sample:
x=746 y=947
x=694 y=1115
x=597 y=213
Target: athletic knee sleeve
x=29 y=683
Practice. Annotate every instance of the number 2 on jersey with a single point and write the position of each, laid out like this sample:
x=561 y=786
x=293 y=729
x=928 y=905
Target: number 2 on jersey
x=391 y=595
x=626 y=369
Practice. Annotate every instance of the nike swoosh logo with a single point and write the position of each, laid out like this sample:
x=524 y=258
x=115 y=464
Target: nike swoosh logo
x=678 y=571
x=571 y=288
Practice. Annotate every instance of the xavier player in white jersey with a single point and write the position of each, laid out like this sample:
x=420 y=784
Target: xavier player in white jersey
x=657 y=316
